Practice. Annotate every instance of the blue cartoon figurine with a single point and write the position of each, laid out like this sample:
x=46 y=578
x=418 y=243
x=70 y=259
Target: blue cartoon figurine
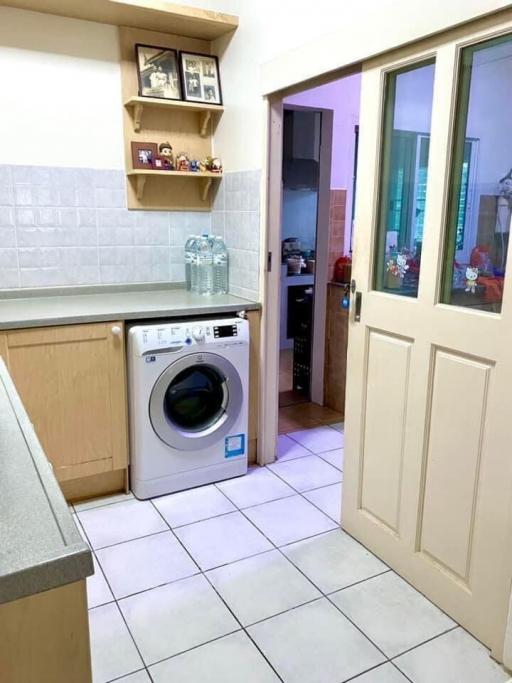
x=194 y=165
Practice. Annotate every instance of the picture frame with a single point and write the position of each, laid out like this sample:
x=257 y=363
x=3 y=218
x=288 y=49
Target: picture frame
x=144 y=154
x=200 y=78
x=158 y=72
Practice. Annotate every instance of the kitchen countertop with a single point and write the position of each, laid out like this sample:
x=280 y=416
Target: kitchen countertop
x=39 y=308
x=40 y=545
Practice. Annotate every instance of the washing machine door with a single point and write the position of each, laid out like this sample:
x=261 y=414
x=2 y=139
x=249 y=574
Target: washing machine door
x=195 y=401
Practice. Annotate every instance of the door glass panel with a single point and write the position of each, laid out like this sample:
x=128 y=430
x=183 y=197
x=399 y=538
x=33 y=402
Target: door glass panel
x=403 y=182
x=194 y=400
x=480 y=198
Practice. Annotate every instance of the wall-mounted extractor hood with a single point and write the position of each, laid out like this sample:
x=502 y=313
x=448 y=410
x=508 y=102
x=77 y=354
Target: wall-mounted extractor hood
x=301 y=149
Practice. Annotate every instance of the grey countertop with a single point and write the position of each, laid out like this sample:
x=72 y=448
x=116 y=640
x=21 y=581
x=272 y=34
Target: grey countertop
x=39 y=308
x=40 y=545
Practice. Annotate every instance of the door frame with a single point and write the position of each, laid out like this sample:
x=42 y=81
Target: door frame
x=271 y=250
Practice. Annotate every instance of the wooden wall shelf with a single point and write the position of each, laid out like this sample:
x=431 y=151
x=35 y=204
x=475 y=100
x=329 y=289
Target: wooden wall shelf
x=187 y=126
x=205 y=178
x=151 y=15
x=206 y=112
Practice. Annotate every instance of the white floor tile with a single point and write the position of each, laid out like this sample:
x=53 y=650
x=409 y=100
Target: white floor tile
x=194 y=505
x=217 y=541
x=259 y=485
x=386 y=673
x=288 y=449
x=288 y=520
x=328 y=499
x=232 y=659
x=139 y=677
x=278 y=584
x=318 y=439
x=305 y=474
x=392 y=613
x=144 y=563
x=335 y=457
x=120 y=522
x=113 y=653
x=98 y=592
x=334 y=560
x=339 y=426
x=173 y=618
x=455 y=657
x=103 y=500
x=314 y=643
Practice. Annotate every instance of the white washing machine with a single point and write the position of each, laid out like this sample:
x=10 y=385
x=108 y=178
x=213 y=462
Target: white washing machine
x=188 y=398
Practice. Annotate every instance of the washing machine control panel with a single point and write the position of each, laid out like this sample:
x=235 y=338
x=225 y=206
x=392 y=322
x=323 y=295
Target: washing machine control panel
x=174 y=337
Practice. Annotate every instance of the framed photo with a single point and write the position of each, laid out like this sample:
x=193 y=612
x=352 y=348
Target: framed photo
x=158 y=72
x=144 y=154
x=200 y=78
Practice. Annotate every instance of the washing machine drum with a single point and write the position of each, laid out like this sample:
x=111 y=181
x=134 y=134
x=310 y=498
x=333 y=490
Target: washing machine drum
x=195 y=401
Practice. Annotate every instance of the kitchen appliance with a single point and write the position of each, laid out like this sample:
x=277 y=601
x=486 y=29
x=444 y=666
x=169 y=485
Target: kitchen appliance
x=188 y=401
x=290 y=247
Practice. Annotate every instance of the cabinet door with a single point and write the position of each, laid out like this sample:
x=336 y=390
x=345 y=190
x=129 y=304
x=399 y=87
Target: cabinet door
x=71 y=380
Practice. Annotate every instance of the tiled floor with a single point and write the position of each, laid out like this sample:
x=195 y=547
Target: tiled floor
x=252 y=581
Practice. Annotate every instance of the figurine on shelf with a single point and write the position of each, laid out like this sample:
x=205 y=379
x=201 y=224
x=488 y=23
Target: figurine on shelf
x=212 y=164
x=216 y=165
x=182 y=162
x=195 y=165
x=165 y=151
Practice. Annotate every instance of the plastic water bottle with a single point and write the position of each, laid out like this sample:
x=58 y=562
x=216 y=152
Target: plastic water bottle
x=220 y=265
x=204 y=261
x=190 y=257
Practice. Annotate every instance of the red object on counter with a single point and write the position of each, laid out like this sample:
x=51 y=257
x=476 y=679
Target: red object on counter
x=343 y=269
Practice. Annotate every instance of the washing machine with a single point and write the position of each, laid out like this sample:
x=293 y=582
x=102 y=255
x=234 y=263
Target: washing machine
x=188 y=402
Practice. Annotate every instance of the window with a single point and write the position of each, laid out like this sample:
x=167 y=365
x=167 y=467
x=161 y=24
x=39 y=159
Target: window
x=403 y=183
x=480 y=199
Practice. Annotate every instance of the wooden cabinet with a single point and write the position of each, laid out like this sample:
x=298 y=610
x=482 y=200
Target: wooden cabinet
x=44 y=638
x=72 y=381
x=336 y=339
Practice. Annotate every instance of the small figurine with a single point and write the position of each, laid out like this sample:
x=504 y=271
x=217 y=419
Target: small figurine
x=165 y=151
x=471 y=278
x=216 y=165
x=401 y=264
x=195 y=165
x=182 y=162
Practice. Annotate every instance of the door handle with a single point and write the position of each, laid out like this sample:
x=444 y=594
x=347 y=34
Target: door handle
x=357 y=307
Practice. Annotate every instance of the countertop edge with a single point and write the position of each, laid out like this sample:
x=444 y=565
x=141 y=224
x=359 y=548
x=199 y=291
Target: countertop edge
x=127 y=315
x=64 y=565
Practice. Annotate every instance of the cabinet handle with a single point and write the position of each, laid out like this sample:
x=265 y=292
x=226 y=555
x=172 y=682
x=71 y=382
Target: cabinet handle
x=117 y=331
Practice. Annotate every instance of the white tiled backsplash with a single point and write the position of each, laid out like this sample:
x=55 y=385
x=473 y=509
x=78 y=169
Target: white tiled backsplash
x=65 y=226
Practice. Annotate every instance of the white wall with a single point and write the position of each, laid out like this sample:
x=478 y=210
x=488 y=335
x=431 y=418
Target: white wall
x=61 y=92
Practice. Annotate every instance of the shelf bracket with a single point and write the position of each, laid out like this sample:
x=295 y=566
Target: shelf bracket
x=138 y=108
x=207 y=183
x=140 y=181
x=204 y=120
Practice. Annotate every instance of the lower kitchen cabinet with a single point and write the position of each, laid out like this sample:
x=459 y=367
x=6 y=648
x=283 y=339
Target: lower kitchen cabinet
x=336 y=340
x=72 y=382
x=44 y=638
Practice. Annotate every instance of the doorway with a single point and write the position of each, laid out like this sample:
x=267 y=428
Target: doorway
x=319 y=145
